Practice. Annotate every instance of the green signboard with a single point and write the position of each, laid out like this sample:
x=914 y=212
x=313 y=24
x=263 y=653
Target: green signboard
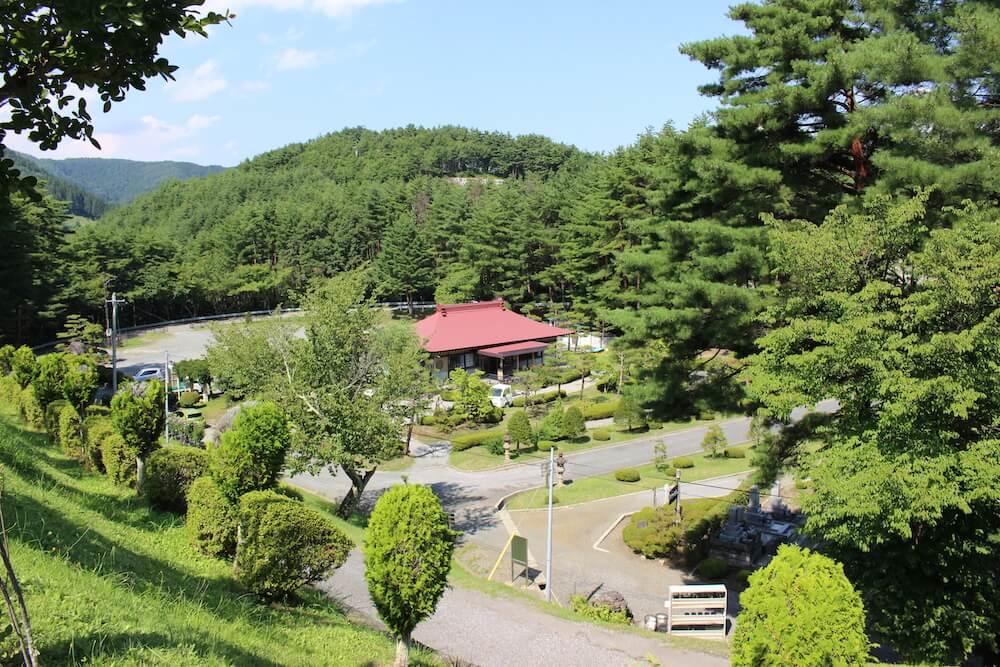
x=518 y=558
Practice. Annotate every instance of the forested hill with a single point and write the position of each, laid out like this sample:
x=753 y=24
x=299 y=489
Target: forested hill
x=81 y=201
x=252 y=236
x=117 y=181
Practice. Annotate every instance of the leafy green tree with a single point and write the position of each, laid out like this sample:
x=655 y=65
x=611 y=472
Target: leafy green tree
x=77 y=329
x=519 y=429
x=897 y=322
x=574 y=425
x=473 y=394
x=714 y=443
x=406 y=265
x=56 y=50
x=661 y=457
x=196 y=370
x=252 y=453
x=347 y=388
x=800 y=610
x=630 y=413
x=408 y=549
x=137 y=414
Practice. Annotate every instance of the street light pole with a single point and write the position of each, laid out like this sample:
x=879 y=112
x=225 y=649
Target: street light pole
x=166 y=398
x=548 y=548
x=114 y=340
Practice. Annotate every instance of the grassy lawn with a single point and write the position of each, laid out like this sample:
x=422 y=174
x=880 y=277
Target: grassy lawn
x=479 y=458
x=109 y=581
x=605 y=486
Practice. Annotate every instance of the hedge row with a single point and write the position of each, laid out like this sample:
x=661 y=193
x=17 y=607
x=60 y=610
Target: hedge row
x=469 y=440
x=599 y=410
x=540 y=397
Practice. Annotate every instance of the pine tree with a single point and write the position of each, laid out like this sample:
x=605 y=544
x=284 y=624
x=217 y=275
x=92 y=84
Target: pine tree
x=406 y=265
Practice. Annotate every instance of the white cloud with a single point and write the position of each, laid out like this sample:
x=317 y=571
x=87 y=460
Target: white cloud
x=202 y=82
x=297 y=59
x=151 y=139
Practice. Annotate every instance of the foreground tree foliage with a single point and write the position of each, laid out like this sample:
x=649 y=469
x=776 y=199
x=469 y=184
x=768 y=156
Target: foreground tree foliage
x=408 y=548
x=902 y=325
x=346 y=388
x=800 y=610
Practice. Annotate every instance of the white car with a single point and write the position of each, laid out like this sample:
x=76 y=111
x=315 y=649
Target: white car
x=502 y=396
x=148 y=373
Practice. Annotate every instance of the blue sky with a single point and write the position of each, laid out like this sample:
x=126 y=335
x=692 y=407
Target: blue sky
x=593 y=74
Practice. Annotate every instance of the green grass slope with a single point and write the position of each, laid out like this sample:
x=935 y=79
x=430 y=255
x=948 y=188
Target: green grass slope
x=110 y=582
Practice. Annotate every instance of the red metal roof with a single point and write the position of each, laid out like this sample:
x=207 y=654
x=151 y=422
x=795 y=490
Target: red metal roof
x=513 y=349
x=478 y=325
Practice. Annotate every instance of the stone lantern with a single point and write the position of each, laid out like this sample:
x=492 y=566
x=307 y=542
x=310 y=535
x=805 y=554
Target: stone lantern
x=506 y=448
x=560 y=468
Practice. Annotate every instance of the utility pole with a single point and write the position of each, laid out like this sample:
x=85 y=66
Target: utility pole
x=166 y=398
x=548 y=548
x=114 y=301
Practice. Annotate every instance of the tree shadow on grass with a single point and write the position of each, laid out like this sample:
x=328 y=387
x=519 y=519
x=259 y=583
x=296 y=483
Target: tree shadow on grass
x=198 y=646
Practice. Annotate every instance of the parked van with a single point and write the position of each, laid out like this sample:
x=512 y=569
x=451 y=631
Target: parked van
x=501 y=395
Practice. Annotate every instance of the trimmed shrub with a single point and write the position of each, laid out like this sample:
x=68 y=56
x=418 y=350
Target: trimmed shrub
x=170 y=471
x=23 y=365
x=31 y=410
x=603 y=410
x=654 y=424
x=96 y=429
x=538 y=398
x=250 y=456
x=494 y=446
x=211 y=518
x=601 y=434
x=627 y=475
x=653 y=533
x=48 y=378
x=6 y=359
x=10 y=391
x=713 y=568
x=189 y=399
x=96 y=410
x=285 y=545
x=71 y=431
x=118 y=458
x=682 y=462
x=52 y=412
x=450 y=395
x=573 y=426
x=468 y=440
x=600 y=612
x=492 y=416
x=736 y=453
x=545 y=445
x=428 y=420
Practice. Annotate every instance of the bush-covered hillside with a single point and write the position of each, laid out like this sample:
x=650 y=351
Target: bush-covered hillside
x=109 y=581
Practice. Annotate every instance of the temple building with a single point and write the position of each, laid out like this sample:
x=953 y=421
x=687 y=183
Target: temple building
x=484 y=336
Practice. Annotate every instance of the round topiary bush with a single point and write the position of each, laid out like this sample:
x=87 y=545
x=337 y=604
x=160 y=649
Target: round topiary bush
x=545 y=445
x=428 y=420
x=95 y=429
x=189 y=399
x=712 y=568
x=211 y=518
x=285 y=545
x=251 y=455
x=31 y=411
x=601 y=434
x=70 y=431
x=52 y=413
x=736 y=453
x=494 y=446
x=170 y=471
x=118 y=459
x=627 y=475
x=682 y=462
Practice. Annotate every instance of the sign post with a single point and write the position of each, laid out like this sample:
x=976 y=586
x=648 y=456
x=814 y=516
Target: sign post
x=518 y=558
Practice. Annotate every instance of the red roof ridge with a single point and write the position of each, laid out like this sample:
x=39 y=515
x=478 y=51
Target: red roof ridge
x=445 y=308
